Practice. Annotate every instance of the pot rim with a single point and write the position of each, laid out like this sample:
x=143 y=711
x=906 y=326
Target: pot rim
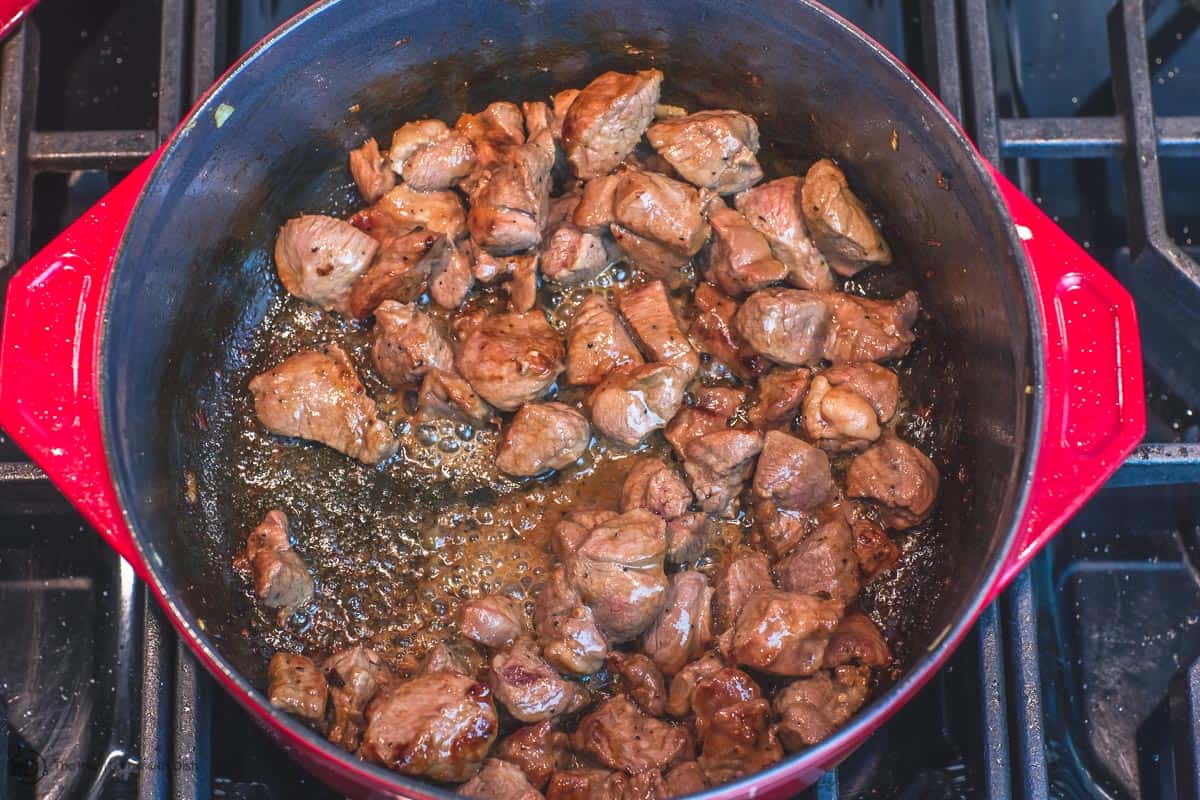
x=801 y=765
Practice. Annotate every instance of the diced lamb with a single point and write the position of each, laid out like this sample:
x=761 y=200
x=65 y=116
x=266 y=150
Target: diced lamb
x=371 y=170
x=499 y=780
x=655 y=485
x=778 y=530
x=281 y=579
x=712 y=149
x=510 y=359
x=784 y=633
x=857 y=640
x=658 y=223
x=354 y=677
x=787 y=326
x=319 y=258
x=295 y=685
x=774 y=209
x=824 y=564
x=876 y=552
x=400 y=271
x=683 y=630
x=407 y=344
x=869 y=330
x=839 y=222
x=606 y=119
x=492 y=620
x=718 y=464
x=738 y=580
x=648 y=312
x=740 y=740
x=510 y=200
x=711 y=411
x=713 y=332
x=811 y=709
x=431 y=156
x=688 y=536
x=898 y=477
x=621 y=737
x=597 y=343
x=684 y=683
x=641 y=680
x=538 y=750
x=530 y=688
x=634 y=401
x=571 y=639
x=445 y=395
x=450 y=277
x=739 y=259
x=780 y=394
x=543 y=436
x=792 y=473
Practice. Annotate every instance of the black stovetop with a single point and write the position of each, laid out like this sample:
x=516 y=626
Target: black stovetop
x=1082 y=681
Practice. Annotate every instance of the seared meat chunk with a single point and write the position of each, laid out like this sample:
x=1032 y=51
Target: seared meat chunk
x=784 y=633
x=655 y=327
x=560 y=102
x=901 y=480
x=788 y=326
x=847 y=404
x=684 y=779
x=792 y=473
x=658 y=223
x=714 y=333
x=687 y=537
x=737 y=581
x=430 y=156
x=712 y=149
x=450 y=276
x=641 y=680
x=543 y=436
x=824 y=564
x=683 y=629
x=594 y=784
x=618 y=571
x=510 y=359
x=720 y=689
x=510 y=200
x=571 y=639
x=316 y=395
x=810 y=709
x=869 y=330
x=632 y=402
x=571 y=256
x=575 y=526
x=657 y=486
x=405 y=210
x=445 y=395
x=876 y=552
x=712 y=410
x=372 y=171
x=354 y=676
x=594 y=211
x=740 y=740
x=621 y=737
x=399 y=272
x=499 y=780
x=522 y=287
x=606 y=119
x=839 y=222
x=407 y=344
x=530 y=688
x=778 y=530
x=740 y=259
x=438 y=725
x=487 y=268
x=597 y=343
x=453 y=657
x=774 y=209
x=780 y=393
x=281 y=579
x=538 y=750
x=684 y=683
x=493 y=132
x=295 y=685
x=857 y=640
x=319 y=258
x=717 y=465
x=492 y=620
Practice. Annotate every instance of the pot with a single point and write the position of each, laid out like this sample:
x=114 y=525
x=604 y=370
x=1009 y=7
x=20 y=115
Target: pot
x=121 y=329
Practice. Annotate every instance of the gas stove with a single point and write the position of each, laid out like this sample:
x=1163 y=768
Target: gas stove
x=1083 y=680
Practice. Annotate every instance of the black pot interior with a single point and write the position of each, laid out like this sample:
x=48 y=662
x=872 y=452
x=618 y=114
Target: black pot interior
x=195 y=280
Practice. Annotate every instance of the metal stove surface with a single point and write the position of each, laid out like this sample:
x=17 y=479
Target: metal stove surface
x=1081 y=682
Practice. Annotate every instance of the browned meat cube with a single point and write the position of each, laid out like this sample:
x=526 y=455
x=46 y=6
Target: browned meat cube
x=876 y=552
x=606 y=119
x=712 y=149
x=687 y=537
x=824 y=563
x=787 y=326
x=450 y=277
x=510 y=359
x=683 y=630
x=792 y=473
x=774 y=209
x=778 y=530
x=575 y=526
x=597 y=343
x=839 y=222
x=847 y=415
x=898 y=477
x=561 y=102
x=811 y=709
x=684 y=683
x=571 y=256
x=713 y=331
x=784 y=633
x=717 y=690
x=648 y=312
x=658 y=222
x=430 y=155
x=510 y=200
x=857 y=640
x=780 y=393
x=493 y=132
x=438 y=725
x=450 y=657
x=740 y=740
x=712 y=410
x=499 y=780
x=538 y=750
x=684 y=779
x=295 y=685
x=739 y=259
x=404 y=210
x=319 y=258
x=879 y=385
x=588 y=784
x=316 y=395
x=657 y=486
x=492 y=620
x=621 y=737
x=594 y=211
x=869 y=330
x=641 y=680
x=634 y=401
x=529 y=687
x=399 y=272
x=445 y=395
x=354 y=676
x=280 y=577
x=745 y=575
x=407 y=344
x=543 y=436
x=372 y=171
x=571 y=639
x=718 y=464
x=618 y=571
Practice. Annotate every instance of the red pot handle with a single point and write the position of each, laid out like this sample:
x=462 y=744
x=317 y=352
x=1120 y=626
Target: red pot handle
x=12 y=12
x=49 y=359
x=1095 y=412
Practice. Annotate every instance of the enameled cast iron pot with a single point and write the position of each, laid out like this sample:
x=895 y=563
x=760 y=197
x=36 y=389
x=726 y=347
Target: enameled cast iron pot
x=108 y=328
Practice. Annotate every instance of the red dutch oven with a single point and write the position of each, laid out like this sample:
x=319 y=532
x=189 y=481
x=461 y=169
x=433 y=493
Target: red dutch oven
x=122 y=328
